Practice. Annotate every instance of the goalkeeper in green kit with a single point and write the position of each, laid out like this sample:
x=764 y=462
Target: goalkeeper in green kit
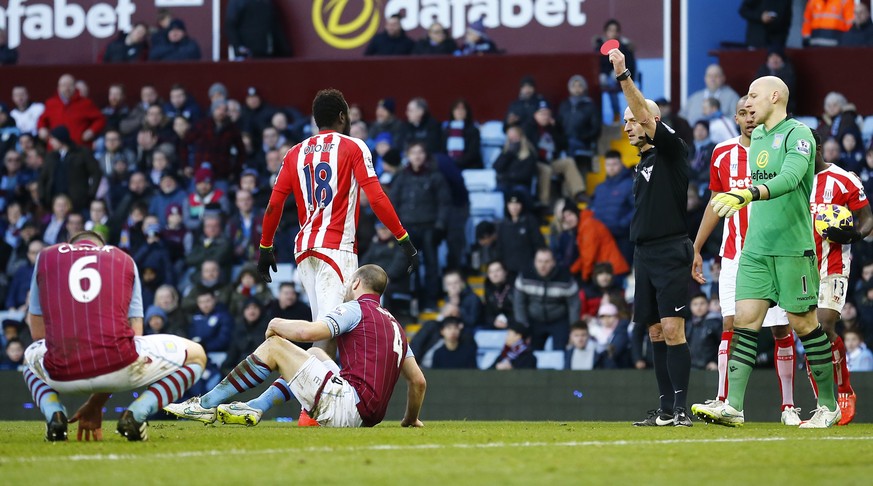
x=778 y=264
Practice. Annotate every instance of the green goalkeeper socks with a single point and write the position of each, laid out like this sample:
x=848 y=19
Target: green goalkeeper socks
x=744 y=350
x=820 y=358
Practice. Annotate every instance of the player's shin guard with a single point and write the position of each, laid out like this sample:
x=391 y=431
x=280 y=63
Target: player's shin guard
x=841 y=368
x=165 y=391
x=662 y=375
x=744 y=350
x=820 y=359
x=45 y=397
x=785 y=362
x=250 y=373
x=276 y=394
x=679 y=367
x=723 y=350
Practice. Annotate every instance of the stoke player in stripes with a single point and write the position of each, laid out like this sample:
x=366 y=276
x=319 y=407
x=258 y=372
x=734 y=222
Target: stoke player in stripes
x=86 y=315
x=729 y=169
x=834 y=185
x=326 y=173
x=372 y=350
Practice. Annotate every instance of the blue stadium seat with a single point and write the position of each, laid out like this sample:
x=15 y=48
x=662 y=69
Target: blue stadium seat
x=486 y=359
x=286 y=272
x=867 y=130
x=550 y=360
x=486 y=204
x=488 y=339
x=480 y=180
x=493 y=138
x=810 y=121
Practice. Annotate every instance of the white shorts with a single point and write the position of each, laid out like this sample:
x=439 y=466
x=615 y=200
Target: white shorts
x=832 y=292
x=159 y=356
x=337 y=400
x=727 y=295
x=324 y=277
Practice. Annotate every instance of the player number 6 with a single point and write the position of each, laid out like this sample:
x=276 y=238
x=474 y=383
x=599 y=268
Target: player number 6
x=78 y=273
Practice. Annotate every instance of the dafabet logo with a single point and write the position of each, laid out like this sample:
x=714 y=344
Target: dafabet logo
x=348 y=35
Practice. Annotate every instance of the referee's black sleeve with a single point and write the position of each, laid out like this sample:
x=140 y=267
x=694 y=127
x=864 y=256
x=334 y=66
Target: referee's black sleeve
x=669 y=143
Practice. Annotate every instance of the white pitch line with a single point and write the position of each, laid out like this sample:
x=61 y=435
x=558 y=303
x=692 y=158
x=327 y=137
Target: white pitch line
x=408 y=447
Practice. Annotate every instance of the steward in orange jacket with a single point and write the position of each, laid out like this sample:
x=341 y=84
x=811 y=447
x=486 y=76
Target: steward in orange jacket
x=596 y=245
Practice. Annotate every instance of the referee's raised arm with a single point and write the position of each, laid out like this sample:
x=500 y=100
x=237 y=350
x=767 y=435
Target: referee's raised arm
x=642 y=110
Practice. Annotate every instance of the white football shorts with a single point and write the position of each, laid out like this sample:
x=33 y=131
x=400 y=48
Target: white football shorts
x=832 y=292
x=332 y=403
x=159 y=356
x=324 y=274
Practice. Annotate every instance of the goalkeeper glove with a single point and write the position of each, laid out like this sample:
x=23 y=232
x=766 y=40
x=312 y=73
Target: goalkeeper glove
x=844 y=235
x=726 y=204
x=411 y=253
x=266 y=261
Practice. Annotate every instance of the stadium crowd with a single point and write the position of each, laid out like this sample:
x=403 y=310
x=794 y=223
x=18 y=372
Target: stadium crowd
x=182 y=187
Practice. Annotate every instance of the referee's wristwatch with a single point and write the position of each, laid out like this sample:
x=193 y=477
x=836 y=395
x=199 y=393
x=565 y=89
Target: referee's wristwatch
x=621 y=77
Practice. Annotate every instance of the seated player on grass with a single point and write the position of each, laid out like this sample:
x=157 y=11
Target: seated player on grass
x=372 y=350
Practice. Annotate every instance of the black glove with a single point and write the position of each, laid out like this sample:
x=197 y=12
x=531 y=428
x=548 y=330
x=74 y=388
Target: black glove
x=844 y=235
x=411 y=253
x=266 y=261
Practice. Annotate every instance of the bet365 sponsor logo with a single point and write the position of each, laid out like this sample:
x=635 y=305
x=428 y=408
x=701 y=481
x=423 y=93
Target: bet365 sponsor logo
x=350 y=29
x=41 y=19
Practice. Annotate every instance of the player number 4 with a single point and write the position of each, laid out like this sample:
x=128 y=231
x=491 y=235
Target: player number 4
x=398 y=342
x=78 y=273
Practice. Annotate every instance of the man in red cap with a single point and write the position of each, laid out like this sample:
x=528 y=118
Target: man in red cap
x=205 y=196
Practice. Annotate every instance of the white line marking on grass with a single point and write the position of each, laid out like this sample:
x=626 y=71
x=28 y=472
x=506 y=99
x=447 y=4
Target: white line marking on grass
x=407 y=447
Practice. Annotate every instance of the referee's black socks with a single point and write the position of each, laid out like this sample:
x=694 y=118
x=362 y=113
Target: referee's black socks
x=662 y=374
x=679 y=367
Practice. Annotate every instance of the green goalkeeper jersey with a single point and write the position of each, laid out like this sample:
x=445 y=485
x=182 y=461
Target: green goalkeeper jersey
x=783 y=159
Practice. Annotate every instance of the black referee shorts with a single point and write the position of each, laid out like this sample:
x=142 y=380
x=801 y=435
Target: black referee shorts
x=661 y=271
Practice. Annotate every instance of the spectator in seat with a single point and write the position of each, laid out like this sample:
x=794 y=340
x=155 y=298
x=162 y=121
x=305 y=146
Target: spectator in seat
x=69 y=109
x=383 y=252
x=453 y=353
x=699 y=157
x=516 y=166
x=484 y=249
x=169 y=193
x=155 y=321
x=137 y=193
x=219 y=142
x=852 y=155
x=167 y=299
x=249 y=285
x=26 y=113
x=581 y=354
x=19 y=286
x=116 y=108
x=422 y=127
x=14 y=179
x=386 y=121
x=778 y=64
x=254 y=30
x=703 y=334
x=861 y=32
x=393 y=41
x=69 y=169
x=13 y=358
x=562 y=240
x=593 y=294
x=436 y=42
x=825 y=22
x=461 y=139
x=287 y=306
x=608 y=84
x=521 y=111
x=580 y=118
x=131 y=124
x=548 y=139
x=715 y=88
x=498 y=310
x=546 y=300
x=256 y=115
x=612 y=337
x=251 y=326
x=128 y=46
x=212 y=245
x=153 y=254
x=207 y=279
x=8 y=57
x=181 y=104
x=721 y=127
x=422 y=199
x=674 y=121
x=211 y=327
x=244 y=227
x=596 y=245
x=476 y=41
x=460 y=300
x=839 y=117
x=858 y=357
x=159 y=31
x=205 y=197
x=178 y=46
x=518 y=236
x=517 y=352
x=613 y=202
x=767 y=22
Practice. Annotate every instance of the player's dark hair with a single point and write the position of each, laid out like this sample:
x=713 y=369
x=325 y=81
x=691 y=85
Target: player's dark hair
x=373 y=277
x=327 y=106
x=91 y=236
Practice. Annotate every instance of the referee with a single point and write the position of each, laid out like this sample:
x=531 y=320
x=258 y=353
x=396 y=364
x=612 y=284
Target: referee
x=663 y=253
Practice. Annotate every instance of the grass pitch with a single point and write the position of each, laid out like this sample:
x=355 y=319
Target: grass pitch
x=442 y=452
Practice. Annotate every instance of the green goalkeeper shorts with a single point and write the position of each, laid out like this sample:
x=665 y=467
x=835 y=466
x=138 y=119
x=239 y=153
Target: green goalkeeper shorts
x=790 y=281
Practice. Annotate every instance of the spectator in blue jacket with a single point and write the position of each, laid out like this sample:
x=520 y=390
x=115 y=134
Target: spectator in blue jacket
x=178 y=47
x=169 y=194
x=212 y=327
x=613 y=202
x=461 y=301
x=16 y=297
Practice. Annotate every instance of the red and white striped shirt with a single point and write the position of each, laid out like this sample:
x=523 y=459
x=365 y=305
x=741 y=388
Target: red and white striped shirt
x=835 y=185
x=325 y=173
x=730 y=170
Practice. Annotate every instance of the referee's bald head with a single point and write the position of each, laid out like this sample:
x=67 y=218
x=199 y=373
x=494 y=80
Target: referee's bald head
x=651 y=106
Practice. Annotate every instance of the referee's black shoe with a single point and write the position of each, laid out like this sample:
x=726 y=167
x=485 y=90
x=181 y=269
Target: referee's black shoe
x=681 y=419
x=56 y=428
x=656 y=418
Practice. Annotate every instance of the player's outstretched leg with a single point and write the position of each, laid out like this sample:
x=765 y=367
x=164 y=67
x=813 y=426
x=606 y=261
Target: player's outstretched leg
x=740 y=364
x=820 y=357
x=249 y=413
x=46 y=398
x=250 y=373
x=133 y=423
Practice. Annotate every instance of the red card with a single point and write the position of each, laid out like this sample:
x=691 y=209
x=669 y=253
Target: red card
x=608 y=46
